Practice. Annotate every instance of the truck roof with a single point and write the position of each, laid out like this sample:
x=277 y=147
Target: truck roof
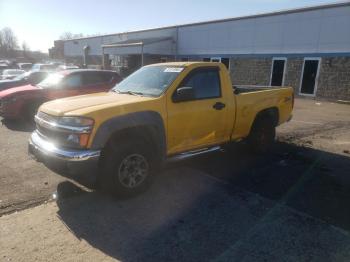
x=185 y=63
x=70 y=71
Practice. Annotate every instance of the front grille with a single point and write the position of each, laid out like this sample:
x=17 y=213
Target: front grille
x=44 y=132
x=59 y=138
x=46 y=117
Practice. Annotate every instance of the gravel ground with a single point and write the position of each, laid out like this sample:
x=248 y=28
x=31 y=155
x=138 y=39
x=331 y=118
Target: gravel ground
x=289 y=205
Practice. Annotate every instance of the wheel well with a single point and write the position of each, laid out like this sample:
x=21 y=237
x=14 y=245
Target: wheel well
x=146 y=134
x=29 y=107
x=32 y=103
x=268 y=113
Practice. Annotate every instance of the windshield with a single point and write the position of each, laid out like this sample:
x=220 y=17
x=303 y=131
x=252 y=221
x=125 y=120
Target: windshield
x=13 y=72
x=149 y=81
x=47 y=67
x=51 y=81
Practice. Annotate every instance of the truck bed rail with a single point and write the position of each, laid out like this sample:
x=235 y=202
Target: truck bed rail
x=239 y=89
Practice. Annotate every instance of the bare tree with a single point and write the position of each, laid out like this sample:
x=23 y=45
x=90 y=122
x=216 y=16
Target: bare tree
x=25 y=49
x=70 y=35
x=66 y=36
x=8 y=42
x=25 y=46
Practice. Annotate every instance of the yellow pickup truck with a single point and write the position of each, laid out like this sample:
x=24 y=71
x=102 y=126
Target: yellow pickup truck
x=161 y=112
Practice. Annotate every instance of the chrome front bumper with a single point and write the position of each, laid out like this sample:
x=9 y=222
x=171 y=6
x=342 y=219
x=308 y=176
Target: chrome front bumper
x=48 y=149
x=76 y=161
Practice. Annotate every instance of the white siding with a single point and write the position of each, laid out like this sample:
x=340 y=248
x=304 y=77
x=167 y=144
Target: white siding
x=75 y=48
x=325 y=30
x=316 y=31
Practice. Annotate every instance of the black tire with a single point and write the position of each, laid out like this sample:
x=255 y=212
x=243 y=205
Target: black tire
x=262 y=135
x=114 y=163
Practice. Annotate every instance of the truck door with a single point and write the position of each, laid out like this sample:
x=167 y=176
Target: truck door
x=198 y=120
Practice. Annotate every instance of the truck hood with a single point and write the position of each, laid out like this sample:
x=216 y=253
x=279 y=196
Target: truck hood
x=70 y=105
x=14 y=90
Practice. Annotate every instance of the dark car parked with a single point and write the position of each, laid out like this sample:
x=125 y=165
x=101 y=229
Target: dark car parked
x=31 y=77
x=22 y=102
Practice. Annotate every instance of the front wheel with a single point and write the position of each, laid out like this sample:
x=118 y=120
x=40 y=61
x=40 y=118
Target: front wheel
x=127 y=169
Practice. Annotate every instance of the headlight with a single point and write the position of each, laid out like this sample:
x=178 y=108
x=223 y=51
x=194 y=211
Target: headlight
x=70 y=131
x=78 y=129
x=78 y=140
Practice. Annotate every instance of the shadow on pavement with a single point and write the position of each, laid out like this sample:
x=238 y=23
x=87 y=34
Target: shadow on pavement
x=309 y=180
x=188 y=216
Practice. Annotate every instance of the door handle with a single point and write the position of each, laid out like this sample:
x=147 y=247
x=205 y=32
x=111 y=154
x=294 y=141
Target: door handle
x=219 y=105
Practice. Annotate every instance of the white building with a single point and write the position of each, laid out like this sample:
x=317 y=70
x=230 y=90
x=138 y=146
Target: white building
x=307 y=48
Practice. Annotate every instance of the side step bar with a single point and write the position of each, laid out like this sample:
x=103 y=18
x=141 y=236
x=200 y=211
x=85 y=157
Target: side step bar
x=190 y=154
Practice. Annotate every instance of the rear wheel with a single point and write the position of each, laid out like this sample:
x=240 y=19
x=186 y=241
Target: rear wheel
x=127 y=169
x=262 y=135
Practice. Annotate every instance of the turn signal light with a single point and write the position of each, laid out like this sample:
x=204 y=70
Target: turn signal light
x=84 y=139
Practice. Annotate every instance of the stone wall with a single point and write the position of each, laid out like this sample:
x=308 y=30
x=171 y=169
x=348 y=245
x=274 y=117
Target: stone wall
x=334 y=78
x=333 y=82
x=293 y=73
x=250 y=71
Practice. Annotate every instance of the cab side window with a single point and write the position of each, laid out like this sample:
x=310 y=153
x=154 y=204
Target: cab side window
x=107 y=76
x=205 y=82
x=72 y=81
x=37 y=77
x=93 y=78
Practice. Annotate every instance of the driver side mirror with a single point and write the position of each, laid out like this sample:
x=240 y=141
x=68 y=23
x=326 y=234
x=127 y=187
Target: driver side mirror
x=182 y=94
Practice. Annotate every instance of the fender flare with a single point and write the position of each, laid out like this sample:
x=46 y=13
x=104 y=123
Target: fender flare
x=145 y=119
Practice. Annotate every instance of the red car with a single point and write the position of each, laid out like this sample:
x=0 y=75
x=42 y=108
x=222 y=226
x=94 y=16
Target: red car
x=22 y=102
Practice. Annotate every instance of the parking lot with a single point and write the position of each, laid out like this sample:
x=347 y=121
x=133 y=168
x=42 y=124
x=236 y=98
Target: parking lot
x=289 y=205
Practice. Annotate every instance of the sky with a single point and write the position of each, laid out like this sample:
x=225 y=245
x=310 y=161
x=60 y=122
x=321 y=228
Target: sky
x=40 y=22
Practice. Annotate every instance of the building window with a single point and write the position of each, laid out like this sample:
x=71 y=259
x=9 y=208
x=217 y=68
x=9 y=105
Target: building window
x=309 y=76
x=215 y=59
x=278 y=70
x=184 y=59
x=226 y=62
x=163 y=59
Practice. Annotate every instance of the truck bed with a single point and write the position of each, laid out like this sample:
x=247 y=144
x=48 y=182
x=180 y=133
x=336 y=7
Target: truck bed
x=252 y=99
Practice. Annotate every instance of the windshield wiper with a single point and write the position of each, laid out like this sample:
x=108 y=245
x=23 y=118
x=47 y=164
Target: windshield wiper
x=130 y=93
